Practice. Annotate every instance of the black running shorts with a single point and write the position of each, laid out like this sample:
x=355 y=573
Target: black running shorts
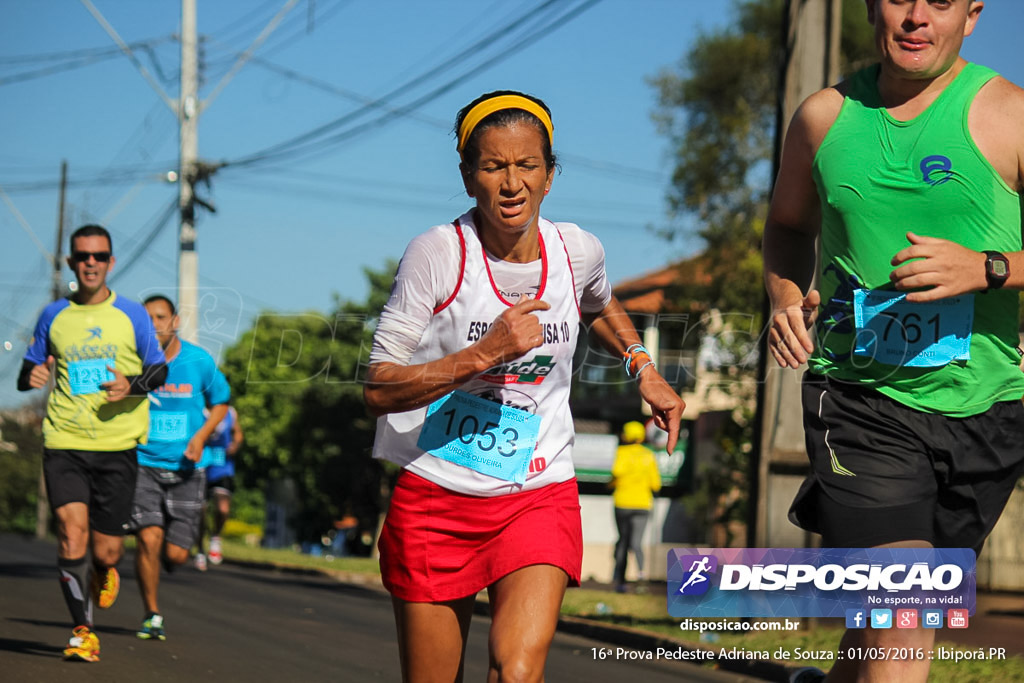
x=883 y=472
x=225 y=486
x=103 y=480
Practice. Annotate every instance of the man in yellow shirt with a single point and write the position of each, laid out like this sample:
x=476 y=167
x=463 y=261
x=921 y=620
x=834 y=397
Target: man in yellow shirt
x=635 y=479
x=104 y=356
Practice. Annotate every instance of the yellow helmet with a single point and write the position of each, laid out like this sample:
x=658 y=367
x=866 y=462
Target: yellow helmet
x=633 y=432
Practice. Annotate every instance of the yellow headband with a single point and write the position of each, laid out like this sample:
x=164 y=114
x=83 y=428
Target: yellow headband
x=484 y=109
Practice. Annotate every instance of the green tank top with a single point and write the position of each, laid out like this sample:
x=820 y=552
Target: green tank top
x=879 y=178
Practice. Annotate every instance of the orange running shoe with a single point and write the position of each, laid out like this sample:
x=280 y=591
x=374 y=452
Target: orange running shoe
x=84 y=646
x=105 y=588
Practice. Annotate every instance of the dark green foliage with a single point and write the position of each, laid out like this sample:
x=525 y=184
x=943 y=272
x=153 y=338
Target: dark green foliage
x=296 y=383
x=21 y=458
x=248 y=505
x=718 y=108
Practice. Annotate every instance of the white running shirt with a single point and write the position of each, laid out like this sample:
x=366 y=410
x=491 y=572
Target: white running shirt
x=423 y=322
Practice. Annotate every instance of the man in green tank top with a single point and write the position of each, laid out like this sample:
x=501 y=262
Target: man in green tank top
x=911 y=173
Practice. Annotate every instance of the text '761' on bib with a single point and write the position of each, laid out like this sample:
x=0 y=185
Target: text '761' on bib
x=485 y=436
x=928 y=334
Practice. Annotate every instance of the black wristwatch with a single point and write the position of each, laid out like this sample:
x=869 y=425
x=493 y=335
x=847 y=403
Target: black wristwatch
x=997 y=269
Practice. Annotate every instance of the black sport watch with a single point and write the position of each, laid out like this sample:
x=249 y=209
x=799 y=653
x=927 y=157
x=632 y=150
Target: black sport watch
x=997 y=269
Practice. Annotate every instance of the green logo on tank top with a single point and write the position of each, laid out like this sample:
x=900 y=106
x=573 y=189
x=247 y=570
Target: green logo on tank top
x=525 y=371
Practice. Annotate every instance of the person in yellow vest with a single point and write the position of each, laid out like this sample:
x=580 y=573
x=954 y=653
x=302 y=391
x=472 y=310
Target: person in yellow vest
x=635 y=480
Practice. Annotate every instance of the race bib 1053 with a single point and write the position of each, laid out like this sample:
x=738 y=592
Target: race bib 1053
x=488 y=437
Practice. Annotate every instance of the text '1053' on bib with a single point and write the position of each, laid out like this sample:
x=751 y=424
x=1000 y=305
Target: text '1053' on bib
x=485 y=436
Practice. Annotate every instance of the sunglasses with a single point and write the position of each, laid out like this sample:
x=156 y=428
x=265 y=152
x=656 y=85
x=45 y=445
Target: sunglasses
x=83 y=256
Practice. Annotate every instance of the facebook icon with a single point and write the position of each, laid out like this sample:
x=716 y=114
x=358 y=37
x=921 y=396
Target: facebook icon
x=856 y=618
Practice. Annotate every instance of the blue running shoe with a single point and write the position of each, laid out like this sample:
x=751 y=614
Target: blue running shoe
x=152 y=628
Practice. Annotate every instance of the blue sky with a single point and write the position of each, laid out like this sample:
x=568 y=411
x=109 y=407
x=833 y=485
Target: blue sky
x=289 y=235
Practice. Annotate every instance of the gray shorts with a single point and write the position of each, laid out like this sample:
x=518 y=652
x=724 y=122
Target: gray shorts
x=169 y=499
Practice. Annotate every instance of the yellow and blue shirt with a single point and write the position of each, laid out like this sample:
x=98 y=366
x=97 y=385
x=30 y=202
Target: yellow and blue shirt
x=193 y=384
x=84 y=339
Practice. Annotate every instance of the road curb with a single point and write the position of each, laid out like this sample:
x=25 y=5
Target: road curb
x=356 y=578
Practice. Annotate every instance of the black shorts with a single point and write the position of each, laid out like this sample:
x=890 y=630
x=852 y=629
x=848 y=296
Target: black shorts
x=883 y=472
x=103 y=480
x=223 y=486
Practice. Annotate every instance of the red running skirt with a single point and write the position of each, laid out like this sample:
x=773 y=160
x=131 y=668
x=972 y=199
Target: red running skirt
x=438 y=545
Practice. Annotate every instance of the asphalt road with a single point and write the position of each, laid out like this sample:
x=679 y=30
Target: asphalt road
x=238 y=624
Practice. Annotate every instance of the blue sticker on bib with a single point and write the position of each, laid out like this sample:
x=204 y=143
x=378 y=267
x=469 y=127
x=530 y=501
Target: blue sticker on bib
x=485 y=436
x=894 y=331
x=86 y=376
x=168 y=426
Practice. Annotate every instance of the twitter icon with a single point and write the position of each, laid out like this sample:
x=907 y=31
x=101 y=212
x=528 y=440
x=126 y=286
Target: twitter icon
x=881 y=618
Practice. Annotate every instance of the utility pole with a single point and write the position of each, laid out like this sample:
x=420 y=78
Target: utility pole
x=58 y=281
x=42 y=503
x=190 y=169
x=188 y=172
x=812 y=63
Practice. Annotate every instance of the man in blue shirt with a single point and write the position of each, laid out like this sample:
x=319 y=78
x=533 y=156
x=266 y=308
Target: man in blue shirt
x=170 y=489
x=219 y=458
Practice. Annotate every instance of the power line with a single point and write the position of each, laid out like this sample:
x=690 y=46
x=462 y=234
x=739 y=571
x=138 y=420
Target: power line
x=283 y=41
x=161 y=221
x=247 y=55
x=333 y=181
x=24 y=225
x=148 y=134
x=123 y=174
x=57 y=68
x=333 y=195
x=80 y=53
x=474 y=26
x=351 y=95
x=240 y=25
x=488 y=41
x=432 y=95
x=612 y=169
x=279 y=41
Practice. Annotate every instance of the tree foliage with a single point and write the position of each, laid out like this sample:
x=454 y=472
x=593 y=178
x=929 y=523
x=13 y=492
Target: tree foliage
x=21 y=461
x=296 y=383
x=718 y=110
